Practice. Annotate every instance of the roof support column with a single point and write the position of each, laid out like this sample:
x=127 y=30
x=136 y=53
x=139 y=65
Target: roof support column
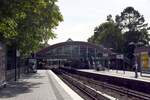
x=87 y=52
x=79 y=50
x=95 y=52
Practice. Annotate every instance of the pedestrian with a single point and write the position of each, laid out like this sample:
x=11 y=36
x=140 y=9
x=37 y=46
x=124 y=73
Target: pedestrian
x=136 y=70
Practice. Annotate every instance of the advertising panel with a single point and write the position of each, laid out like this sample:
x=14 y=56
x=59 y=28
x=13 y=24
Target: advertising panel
x=145 y=62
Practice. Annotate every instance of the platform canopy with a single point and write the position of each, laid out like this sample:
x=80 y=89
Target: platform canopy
x=73 y=50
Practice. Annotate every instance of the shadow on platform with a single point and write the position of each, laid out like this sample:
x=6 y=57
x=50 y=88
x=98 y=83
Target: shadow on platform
x=33 y=76
x=20 y=87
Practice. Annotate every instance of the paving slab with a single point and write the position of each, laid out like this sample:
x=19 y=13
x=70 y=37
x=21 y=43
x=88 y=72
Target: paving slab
x=120 y=73
x=39 y=86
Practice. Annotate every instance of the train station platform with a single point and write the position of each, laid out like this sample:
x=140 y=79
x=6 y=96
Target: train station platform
x=44 y=85
x=126 y=81
x=120 y=74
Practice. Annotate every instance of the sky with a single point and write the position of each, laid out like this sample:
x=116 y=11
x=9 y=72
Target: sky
x=82 y=16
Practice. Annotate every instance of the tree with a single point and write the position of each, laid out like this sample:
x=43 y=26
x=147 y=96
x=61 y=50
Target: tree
x=28 y=23
x=133 y=25
x=134 y=29
x=108 y=35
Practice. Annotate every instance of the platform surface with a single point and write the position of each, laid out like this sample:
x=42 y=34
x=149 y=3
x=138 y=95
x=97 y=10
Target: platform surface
x=120 y=73
x=44 y=85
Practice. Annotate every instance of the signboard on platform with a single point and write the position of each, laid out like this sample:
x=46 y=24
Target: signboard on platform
x=105 y=55
x=119 y=56
x=32 y=61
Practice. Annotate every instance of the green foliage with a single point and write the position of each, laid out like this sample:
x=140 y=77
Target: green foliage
x=108 y=34
x=130 y=20
x=128 y=27
x=27 y=24
x=134 y=29
x=133 y=25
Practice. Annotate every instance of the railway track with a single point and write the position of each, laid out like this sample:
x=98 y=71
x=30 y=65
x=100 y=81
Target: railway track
x=102 y=91
x=87 y=90
x=79 y=90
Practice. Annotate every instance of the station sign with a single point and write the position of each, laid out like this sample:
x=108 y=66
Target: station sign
x=17 y=53
x=105 y=54
x=120 y=56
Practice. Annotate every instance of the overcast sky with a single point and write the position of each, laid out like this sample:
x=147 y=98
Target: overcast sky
x=81 y=16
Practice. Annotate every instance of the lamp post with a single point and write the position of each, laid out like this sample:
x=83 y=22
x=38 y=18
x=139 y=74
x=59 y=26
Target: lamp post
x=120 y=57
x=135 y=60
x=106 y=56
x=17 y=55
x=110 y=58
x=105 y=60
x=17 y=62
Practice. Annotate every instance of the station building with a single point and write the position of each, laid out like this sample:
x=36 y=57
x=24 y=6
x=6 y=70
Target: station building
x=77 y=53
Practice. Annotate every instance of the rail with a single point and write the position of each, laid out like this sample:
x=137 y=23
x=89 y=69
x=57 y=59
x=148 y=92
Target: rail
x=118 y=89
x=91 y=92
